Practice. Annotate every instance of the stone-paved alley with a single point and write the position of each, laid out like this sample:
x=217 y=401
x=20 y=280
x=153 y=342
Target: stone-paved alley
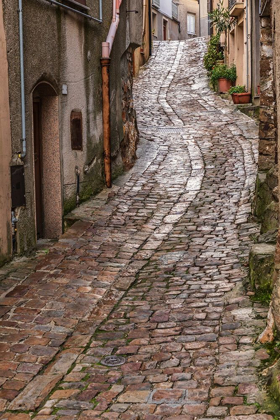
x=151 y=272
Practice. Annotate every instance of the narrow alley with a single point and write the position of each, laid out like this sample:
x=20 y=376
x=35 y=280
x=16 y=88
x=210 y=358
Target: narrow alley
x=152 y=274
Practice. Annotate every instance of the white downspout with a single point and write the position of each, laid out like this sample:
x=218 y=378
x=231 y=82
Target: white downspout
x=107 y=46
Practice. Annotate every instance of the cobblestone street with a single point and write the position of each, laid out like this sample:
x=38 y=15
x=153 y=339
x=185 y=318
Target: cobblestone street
x=152 y=271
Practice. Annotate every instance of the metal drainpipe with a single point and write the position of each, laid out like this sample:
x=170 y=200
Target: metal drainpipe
x=105 y=63
x=100 y=11
x=247 y=45
x=150 y=28
x=22 y=86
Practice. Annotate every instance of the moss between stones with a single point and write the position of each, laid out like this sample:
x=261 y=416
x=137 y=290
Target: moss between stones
x=266 y=208
x=261 y=266
x=271 y=402
x=263 y=295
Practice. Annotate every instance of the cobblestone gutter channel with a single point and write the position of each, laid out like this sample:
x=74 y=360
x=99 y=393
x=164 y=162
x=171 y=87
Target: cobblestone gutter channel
x=153 y=273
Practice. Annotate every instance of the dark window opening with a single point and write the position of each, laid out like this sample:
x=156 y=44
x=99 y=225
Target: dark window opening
x=76 y=122
x=77 y=3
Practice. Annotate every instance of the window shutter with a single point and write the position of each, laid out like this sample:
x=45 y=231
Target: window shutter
x=191 y=24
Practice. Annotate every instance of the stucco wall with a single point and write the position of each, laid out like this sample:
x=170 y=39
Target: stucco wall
x=141 y=54
x=5 y=151
x=65 y=49
x=173 y=27
x=204 y=21
x=185 y=7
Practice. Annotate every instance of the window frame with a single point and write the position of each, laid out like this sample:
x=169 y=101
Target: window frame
x=76 y=132
x=193 y=16
x=155 y=29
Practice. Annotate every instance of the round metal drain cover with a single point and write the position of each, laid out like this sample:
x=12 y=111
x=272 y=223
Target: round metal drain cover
x=113 y=361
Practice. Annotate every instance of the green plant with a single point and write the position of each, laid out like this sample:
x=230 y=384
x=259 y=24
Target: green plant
x=237 y=89
x=221 y=20
x=223 y=72
x=213 y=53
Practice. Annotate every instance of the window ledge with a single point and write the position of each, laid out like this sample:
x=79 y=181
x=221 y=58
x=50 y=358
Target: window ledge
x=77 y=4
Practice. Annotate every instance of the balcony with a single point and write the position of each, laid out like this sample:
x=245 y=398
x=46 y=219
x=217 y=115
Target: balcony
x=236 y=8
x=175 y=14
x=156 y=3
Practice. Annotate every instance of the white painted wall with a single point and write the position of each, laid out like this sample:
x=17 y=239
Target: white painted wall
x=166 y=7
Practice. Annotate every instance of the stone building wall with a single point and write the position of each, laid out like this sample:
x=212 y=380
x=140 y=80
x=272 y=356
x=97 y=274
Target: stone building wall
x=130 y=131
x=5 y=151
x=266 y=193
x=185 y=7
x=63 y=51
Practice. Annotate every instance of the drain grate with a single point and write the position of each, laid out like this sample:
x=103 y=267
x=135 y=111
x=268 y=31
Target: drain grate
x=170 y=130
x=113 y=361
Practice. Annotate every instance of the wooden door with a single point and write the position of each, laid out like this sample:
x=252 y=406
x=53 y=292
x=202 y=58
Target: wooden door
x=37 y=125
x=164 y=30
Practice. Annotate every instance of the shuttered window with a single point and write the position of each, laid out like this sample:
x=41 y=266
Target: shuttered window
x=191 y=24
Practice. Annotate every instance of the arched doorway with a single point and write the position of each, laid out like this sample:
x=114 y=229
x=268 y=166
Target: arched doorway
x=47 y=162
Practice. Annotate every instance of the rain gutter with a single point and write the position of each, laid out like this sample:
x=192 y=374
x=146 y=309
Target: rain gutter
x=105 y=64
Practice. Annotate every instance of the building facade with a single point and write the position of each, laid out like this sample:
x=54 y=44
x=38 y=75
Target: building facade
x=5 y=150
x=165 y=20
x=142 y=53
x=52 y=152
x=189 y=19
x=204 y=22
x=242 y=43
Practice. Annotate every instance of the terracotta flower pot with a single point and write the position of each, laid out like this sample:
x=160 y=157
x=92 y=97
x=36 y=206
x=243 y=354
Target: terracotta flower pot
x=224 y=85
x=241 y=98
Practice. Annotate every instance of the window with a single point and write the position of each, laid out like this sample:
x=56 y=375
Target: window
x=76 y=122
x=78 y=3
x=191 y=24
x=155 y=25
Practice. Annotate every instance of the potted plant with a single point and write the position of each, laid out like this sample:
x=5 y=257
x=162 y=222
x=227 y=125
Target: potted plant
x=239 y=95
x=223 y=77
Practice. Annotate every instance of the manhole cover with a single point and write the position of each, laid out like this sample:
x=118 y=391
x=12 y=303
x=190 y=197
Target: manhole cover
x=113 y=361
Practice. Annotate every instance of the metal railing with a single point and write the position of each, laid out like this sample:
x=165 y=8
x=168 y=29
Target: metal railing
x=175 y=13
x=156 y=3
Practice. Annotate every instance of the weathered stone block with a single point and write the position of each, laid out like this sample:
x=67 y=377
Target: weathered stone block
x=35 y=392
x=266 y=206
x=267 y=114
x=267 y=147
x=261 y=265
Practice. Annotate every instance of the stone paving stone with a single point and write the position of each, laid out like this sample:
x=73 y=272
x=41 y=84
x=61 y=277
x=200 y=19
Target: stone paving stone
x=152 y=271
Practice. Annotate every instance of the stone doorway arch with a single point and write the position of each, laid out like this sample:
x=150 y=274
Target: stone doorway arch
x=47 y=162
